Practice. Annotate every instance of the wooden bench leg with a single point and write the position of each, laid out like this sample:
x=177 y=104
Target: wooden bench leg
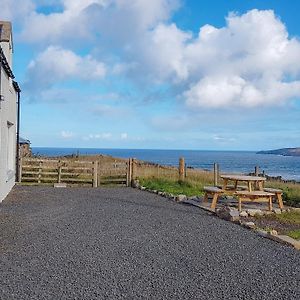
x=205 y=199
x=240 y=203
x=214 y=201
x=270 y=203
x=280 y=202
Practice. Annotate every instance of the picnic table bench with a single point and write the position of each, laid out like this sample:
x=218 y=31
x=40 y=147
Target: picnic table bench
x=254 y=196
x=243 y=193
x=213 y=191
x=278 y=195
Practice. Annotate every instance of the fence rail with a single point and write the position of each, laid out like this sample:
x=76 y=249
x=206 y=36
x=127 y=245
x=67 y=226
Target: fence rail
x=93 y=173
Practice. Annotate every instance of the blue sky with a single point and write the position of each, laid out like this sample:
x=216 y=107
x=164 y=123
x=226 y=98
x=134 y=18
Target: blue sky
x=160 y=74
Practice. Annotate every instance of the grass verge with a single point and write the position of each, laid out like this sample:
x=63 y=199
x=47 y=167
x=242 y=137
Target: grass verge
x=172 y=186
x=285 y=223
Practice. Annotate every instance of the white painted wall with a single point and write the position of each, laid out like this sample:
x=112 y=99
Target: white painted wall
x=8 y=126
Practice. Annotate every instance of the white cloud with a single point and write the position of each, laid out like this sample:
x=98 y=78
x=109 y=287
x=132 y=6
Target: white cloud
x=84 y=18
x=124 y=136
x=249 y=62
x=57 y=64
x=13 y=10
x=222 y=139
x=98 y=136
x=67 y=134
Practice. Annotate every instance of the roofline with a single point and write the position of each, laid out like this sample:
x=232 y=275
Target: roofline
x=4 y=63
x=16 y=87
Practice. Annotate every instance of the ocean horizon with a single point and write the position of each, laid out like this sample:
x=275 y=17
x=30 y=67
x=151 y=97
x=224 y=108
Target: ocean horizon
x=288 y=167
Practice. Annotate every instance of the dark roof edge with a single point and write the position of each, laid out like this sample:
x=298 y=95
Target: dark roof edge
x=16 y=87
x=4 y=63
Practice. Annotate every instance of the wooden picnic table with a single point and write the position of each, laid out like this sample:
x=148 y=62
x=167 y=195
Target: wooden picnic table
x=250 y=180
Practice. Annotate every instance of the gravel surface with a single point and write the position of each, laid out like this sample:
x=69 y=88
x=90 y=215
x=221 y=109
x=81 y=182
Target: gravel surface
x=122 y=243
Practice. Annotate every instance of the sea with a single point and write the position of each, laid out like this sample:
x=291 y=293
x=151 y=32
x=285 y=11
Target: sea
x=243 y=162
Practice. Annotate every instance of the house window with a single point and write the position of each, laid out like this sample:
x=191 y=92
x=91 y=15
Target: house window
x=10 y=150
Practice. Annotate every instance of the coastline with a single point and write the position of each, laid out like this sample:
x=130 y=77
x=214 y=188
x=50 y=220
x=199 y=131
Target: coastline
x=230 y=161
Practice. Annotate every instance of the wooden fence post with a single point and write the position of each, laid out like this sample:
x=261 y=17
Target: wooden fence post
x=129 y=172
x=59 y=172
x=181 y=169
x=99 y=173
x=216 y=174
x=256 y=172
x=133 y=170
x=95 y=173
x=20 y=169
x=40 y=172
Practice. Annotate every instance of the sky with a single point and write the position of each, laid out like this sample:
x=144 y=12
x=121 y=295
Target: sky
x=159 y=74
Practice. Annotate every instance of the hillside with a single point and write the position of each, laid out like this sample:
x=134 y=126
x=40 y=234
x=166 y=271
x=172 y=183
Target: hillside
x=283 y=151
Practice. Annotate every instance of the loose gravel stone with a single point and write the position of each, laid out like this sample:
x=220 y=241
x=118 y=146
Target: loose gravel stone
x=123 y=243
x=180 y=198
x=243 y=214
x=255 y=212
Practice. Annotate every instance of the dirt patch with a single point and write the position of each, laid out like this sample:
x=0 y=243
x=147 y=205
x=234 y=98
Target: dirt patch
x=273 y=223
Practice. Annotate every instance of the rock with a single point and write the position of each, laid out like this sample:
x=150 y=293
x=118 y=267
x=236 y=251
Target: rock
x=287 y=240
x=262 y=233
x=181 y=198
x=154 y=191
x=160 y=193
x=142 y=188
x=249 y=225
x=228 y=213
x=60 y=185
x=254 y=212
x=193 y=198
x=273 y=232
x=243 y=214
x=295 y=209
x=135 y=183
x=268 y=213
x=277 y=211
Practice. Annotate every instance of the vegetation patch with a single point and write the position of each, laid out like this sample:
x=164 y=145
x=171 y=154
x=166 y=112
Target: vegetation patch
x=295 y=234
x=285 y=223
x=171 y=186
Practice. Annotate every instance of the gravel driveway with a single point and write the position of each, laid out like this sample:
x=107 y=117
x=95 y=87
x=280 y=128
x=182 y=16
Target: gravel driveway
x=122 y=243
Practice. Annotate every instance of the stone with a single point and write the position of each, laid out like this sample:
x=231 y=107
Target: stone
x=284 y=239
x=143 y=188
x=181 y=198
x=250 y=225
x=228 y=213
x=268 y=213
x=243 y=214
x=295 y=209
x=273 y=232
x=60 y=185
x=254 y=212
x=135 y=183
x=160 y=193
x=193 y=198
x=277 y=211
x=262 y=233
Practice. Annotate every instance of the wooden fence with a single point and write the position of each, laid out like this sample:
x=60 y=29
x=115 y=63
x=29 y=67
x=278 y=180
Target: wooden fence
x=90 y=173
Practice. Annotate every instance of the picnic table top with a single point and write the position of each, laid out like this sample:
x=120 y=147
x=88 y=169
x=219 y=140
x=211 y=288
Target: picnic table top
x=242 y=177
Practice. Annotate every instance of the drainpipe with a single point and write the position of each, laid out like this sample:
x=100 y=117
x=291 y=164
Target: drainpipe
x=18 y=90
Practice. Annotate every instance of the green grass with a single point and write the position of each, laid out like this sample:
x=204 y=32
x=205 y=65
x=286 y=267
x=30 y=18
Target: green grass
x=291 y=192
x=288 y=217
x=291 y=217
x=295 y=234
x=172 y=186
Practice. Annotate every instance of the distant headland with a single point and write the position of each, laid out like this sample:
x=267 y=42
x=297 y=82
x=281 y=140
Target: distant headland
x=283 y=152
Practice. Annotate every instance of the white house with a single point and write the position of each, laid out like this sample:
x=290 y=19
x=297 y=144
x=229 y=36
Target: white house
x=9 y=98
